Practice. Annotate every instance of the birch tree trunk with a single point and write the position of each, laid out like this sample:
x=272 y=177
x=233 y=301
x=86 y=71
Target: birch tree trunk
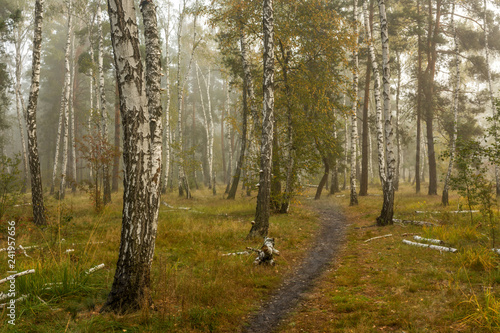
x=58 y=140
x=376 y=94
x=444 y=198
x=19 y=103
x=116 y=159
x=36 y=180
x=106 y=194
x=261 y=225
x=398 y=143
x=492 y=99
x=354 y=119
x=65 y=101
x=387 y=212
x=142 y=159
x=72 y=119
x=419 y=102
x=167 y=132
x=207 y=126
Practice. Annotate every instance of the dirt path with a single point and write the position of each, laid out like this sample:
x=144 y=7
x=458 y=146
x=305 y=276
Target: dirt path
x=319 y=257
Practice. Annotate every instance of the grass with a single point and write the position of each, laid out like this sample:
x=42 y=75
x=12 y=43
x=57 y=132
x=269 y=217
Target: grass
x=194 y=287
x=385 y=285
x=381 y=285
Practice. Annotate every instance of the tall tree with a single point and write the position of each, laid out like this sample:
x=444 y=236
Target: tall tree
x=354 y=118
x=106 y=194
x=387 y=212
x=456 y=93
x=141 y=120
x=261 y=224
x=34 y=162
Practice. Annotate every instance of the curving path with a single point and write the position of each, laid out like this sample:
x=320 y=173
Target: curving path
x=324 y=250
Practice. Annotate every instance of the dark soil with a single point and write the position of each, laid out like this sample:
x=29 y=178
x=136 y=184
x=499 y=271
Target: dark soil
x=320 y=257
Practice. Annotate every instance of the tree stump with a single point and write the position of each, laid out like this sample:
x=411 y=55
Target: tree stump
x=266 y=252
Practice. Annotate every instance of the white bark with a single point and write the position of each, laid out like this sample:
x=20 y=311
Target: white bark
x=428 y=240
x=354 y=110
x=72 y=120
x=166 y=125
x=376 y=94
x=65 y=102
x=103 y=111
x=434 y=247
x=207 y=126
x=14 y=276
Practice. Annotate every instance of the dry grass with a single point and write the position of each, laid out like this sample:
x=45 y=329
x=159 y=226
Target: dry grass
x=385 y=285
x=194 y=287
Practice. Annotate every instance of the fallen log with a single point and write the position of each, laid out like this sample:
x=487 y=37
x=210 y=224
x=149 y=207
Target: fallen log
x=428 y=240
x=421 y=223
x=435 y=247
x=266 y=253
x=384 y=236
x=93 y=269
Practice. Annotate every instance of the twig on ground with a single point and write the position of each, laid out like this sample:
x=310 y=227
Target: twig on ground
x=369 y=240
x=93 y=269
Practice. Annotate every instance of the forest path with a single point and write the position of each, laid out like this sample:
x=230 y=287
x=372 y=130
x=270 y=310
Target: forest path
x=325 y=247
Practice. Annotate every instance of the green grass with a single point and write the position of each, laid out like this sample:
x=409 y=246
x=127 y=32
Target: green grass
x=194 y=287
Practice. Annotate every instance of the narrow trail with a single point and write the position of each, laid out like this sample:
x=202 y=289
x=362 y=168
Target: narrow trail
x=319 y=257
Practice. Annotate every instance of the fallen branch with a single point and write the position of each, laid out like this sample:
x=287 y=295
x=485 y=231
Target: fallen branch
x=266 y=252
x=20 y=247
x=435 y=247
x=93 y=269
x=30 y=271
x=422 y=223
x=369 y=240
x=428 y=240
x=427 y=212
x=463 y=211
x=235 y=253
x=24 y=251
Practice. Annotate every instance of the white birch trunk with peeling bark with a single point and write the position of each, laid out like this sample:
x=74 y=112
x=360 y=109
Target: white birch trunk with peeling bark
x=444 y=198
x=388 y=187
x=34 y=162
x=106 y=177
x=261 y=226
x=72 y=119
x=492 y=98
x=65 y=102
x=376 y=94
x=354 y=119
x=58 y=141
x=142 y=159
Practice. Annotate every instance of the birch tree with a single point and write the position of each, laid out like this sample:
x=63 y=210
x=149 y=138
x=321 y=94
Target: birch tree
x=387 y=212
x=106 y=198
x=261 y=224
x=141 y=153
x=65 y=101
x=456 y=92
x=376 y=95
x=166 y=124
x=354 y=119
x=36 y=180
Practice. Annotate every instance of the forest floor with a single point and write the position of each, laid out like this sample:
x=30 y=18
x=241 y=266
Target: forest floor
x=371 y=285
x=320 y=256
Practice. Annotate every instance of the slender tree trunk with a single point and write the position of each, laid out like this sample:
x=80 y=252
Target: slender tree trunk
x=419 y=103
x=72 y=119
x=398 y=143
x=207 y=128
x=106 y=198
x=346 y=151
x=116 y=158
x=36 y=180
x=261 y=226
x=323 y=179
x=387 y=212
x=376 y=94
x=334 y=184
x=363 y=186
x=141 y=153
x=275 y=173
x=225 y=108
x=20 y=105
x=444 y=198
x=354 y=119
x=66 y=101
x=58 y=140
x=167 y=132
